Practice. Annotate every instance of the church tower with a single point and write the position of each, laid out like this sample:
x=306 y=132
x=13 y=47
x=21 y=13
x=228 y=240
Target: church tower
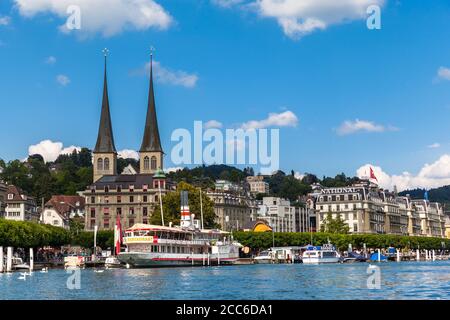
x=151 y=153
x=105 y=154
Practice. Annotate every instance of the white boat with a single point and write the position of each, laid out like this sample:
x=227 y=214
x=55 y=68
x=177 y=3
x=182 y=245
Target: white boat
x=159 y=246
x=263 y=257
x=113 y=262
x=74 y=262
x=18 y=264
x=184 y=245
x=324 y=254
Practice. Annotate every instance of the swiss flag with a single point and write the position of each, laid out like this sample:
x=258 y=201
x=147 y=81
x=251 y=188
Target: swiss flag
x=118 y=234
x=372 y=174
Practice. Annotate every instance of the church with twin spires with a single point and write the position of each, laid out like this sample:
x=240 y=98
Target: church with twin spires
x=132 y=197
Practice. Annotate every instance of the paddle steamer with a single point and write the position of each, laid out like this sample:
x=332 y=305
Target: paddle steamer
x=184 y=245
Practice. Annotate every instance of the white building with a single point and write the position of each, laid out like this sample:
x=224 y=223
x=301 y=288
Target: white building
x=258 y=185
x=432 y=219
x=366 y=208
x=60 y=209
x=283 y=217
x=20 y=206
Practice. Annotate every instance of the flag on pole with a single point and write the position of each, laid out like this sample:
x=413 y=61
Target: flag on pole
x=372 y=175
x=117 y=235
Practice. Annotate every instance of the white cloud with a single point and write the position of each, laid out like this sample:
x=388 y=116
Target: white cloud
x=50 y=60
x=434 y=145
x=50 y=150
x=128 y=154
x=227 y=3
x=298 y=175
x=213 y=124
x=107 y=17
x=432 y=175
x=5 y=20
x=350 y=127
x=63 y=79
x=443 y=73
x=298 y=18
x=173 y=77
x=172 y=169
x=283 y=119
x=167 y=76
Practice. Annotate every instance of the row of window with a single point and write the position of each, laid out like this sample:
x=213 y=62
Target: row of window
x=347 y=197
x=119 y=199
x=104 y=164
x=156 y=185
x=131 y=211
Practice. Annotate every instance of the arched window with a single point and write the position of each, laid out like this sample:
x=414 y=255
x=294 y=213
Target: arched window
x=146 y=163
x=100 y=164
x=153 y=163
x=106 y=164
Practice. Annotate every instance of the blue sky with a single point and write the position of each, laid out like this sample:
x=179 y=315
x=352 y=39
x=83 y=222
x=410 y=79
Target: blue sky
x=235 y=63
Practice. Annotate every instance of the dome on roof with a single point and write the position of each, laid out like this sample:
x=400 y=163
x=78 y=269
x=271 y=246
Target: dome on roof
x=159 y=174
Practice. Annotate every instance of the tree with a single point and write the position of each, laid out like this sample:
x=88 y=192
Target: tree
x=337 y=225
x=171 y=207
x=291 y=188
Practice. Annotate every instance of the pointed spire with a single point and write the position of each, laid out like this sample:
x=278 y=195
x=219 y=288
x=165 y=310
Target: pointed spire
x=105 y=138
x=151 y=141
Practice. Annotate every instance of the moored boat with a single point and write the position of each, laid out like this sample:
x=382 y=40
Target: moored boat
x=320 y=254
x=18 y=264
x=263 y=257
x=113 y=262
x=184 y=245
x=74 y=262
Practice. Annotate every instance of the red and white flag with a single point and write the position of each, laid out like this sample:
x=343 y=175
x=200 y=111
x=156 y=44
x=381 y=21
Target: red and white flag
x=117 y=235
x=372 y=175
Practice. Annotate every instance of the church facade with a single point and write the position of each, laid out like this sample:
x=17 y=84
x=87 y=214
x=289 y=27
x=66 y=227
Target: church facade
x=132 y=197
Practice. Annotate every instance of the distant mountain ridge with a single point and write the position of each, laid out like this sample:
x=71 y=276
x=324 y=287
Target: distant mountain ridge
x=441 y=194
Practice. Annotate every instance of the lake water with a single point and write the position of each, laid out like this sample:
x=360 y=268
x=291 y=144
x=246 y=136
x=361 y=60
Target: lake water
x=404 y=280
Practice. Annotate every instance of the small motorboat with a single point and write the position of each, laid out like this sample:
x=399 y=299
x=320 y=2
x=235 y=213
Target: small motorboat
x=353 y=257
x=113 y=262
x=74 y=262
x=321 y=254
x=17 y=264
x=263 y=257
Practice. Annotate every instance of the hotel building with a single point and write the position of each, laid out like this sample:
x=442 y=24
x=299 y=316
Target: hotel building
x=432 y=219
x=366 y=208
x=132 y=197
x=447 y=226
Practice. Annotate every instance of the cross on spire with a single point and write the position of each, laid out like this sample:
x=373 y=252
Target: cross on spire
x=105 y=52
